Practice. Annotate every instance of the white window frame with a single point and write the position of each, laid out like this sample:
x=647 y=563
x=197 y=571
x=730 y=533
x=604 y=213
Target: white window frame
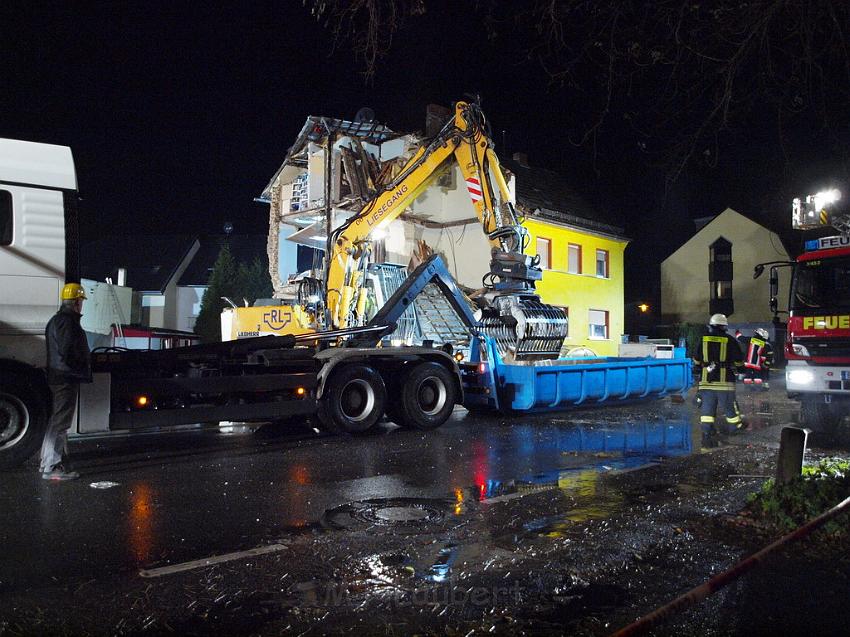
x=591 y=324
x=606 y=260
x=548 y=254
x=570 y=247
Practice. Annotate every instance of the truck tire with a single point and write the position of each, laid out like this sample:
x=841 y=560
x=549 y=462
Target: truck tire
x=354 y=400
x=820 y=416
x=23 y=419
x=427 y=397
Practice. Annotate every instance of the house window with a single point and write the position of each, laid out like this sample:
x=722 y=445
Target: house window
x=602 y=263
x=721 y=290
x=544 y=249
x=5 y=218
x=597 y=321
x=720 y=275
x=574 y=258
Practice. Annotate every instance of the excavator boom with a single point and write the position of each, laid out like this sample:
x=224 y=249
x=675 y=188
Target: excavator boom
x=510 y=310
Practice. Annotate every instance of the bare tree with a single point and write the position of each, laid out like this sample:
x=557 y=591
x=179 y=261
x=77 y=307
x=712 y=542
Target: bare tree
x=680 y=72
x=368 y=26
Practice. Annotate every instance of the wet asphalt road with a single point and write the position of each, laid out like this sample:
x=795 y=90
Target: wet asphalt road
x=182 y=497
x=546 y=508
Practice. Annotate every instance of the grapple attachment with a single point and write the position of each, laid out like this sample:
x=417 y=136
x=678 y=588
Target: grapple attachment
x=523 y=327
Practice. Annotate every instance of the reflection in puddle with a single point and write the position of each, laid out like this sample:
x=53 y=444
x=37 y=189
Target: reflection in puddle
x=458 y=501
x=442 y=567
x=141 y=522
x=612 y=448
x=593 y=500
x=620 y=448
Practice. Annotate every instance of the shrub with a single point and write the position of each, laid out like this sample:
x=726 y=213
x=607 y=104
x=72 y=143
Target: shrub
x=820 y=487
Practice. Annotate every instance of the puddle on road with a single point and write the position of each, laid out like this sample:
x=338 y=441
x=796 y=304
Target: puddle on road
x=607 y=449
x=593 y=500
x=585 y=453
x=442 y=567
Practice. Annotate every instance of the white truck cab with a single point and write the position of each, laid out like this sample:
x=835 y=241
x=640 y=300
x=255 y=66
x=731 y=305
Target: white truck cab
x=38 y=253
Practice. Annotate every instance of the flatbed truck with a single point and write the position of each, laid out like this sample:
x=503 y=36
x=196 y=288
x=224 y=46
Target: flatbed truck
x=342 y=377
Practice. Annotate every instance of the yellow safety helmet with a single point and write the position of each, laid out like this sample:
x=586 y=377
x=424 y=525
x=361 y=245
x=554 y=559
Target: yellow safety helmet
x=73 y=291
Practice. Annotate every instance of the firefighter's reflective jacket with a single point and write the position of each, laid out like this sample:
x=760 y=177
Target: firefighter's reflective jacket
x=759 y=354
x=717 y=358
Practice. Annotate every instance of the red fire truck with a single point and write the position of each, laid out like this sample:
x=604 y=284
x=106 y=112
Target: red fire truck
x=817 y=346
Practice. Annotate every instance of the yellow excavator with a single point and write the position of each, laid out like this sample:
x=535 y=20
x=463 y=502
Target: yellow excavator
x=510 y=310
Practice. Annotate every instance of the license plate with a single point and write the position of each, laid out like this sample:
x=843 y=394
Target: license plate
x=845 y=375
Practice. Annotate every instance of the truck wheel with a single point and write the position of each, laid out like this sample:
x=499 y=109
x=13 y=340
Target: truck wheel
x=353 y=401
x=820 y=416
x=427 y=396
x=23 y=419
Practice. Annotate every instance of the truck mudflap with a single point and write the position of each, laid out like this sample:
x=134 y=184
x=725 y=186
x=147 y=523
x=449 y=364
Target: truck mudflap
x=559 y=384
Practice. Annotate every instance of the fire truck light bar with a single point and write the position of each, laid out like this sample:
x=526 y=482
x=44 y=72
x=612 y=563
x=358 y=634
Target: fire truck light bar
x=828 y=243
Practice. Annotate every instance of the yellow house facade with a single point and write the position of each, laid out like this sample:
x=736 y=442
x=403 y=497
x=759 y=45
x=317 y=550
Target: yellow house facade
x=582 y=273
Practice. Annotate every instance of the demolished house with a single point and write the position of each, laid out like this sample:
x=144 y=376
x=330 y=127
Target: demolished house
x=365 y=156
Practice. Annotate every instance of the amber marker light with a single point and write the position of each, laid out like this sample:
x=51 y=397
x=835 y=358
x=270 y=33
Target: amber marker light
x=141 y=401
x=300 y=391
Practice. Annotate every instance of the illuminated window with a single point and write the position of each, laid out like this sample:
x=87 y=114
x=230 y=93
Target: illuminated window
x=720 y=276
x=574 y=259
x=602 y=263
x=544 y=249
x=597 y=321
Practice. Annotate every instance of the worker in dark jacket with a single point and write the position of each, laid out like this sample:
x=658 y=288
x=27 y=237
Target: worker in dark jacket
x=68 y=365
x=717 y=359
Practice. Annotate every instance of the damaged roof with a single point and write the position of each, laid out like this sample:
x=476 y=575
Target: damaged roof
x=316 y=129
x=543 y=193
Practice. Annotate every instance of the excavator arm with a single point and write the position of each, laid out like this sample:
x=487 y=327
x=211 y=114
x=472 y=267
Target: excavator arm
x=511 y=313
x=464 y=140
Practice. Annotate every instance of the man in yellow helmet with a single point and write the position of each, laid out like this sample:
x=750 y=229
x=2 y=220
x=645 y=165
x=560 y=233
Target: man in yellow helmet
x=68 y=365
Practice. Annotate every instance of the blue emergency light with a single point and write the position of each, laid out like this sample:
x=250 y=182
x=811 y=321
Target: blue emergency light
x=828 y=243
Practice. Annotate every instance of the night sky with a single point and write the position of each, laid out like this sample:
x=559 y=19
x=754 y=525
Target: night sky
x=178 y=115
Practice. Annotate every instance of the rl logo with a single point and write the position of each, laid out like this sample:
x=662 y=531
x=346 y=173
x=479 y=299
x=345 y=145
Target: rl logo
x=277 y=319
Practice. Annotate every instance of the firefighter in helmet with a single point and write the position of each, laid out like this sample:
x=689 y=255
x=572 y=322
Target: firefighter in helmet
x=717 y=359
x=758 y=359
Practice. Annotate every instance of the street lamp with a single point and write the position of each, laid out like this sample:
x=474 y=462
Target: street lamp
x=644 y=308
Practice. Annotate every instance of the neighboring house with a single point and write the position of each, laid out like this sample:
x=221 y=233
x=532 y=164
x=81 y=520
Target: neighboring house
x=152 y=266
x=193 y=282
x=713 y=272
x=581 y=250
x=168 y=274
